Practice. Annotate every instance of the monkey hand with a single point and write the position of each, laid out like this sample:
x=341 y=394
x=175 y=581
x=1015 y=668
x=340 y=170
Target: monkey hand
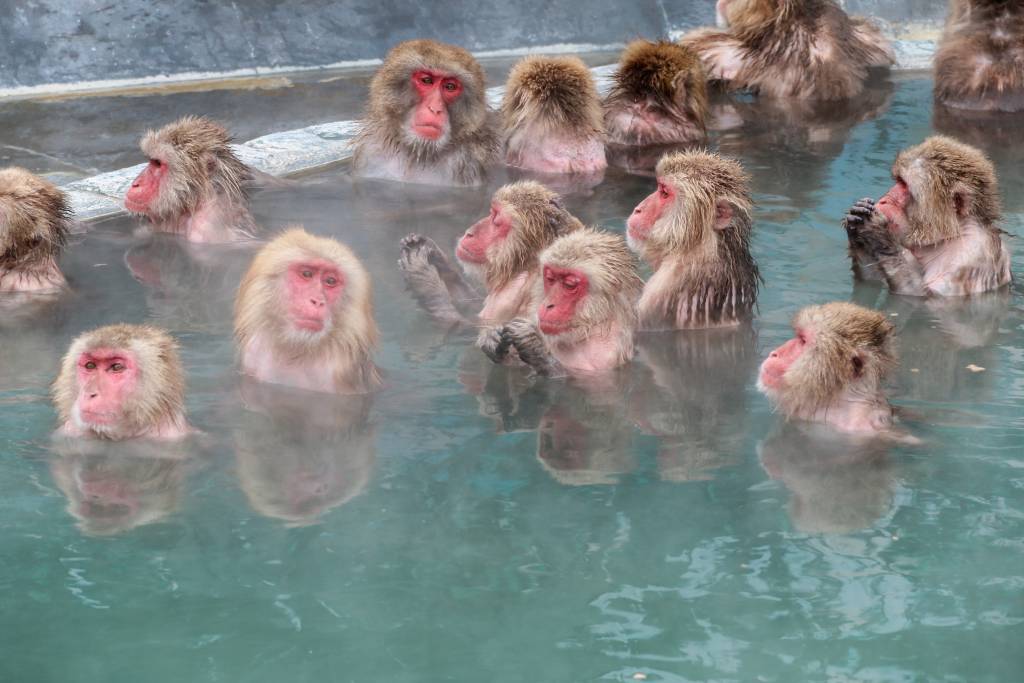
x=859 y=214
x=529 y=344
x=423 y=279
x=494 y=343
x=868 y=230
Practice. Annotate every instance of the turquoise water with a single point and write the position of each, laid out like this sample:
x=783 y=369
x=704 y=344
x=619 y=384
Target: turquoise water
x=467 y=524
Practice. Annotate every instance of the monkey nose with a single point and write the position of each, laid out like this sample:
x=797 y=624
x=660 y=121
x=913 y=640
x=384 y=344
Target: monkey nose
x=318 y=302
x=549 y=306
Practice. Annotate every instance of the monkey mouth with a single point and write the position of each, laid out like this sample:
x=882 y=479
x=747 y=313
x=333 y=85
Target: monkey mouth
x=551 y=329
x=469 y=257
x=430 y=131
x=97 y=417
x=309 y=324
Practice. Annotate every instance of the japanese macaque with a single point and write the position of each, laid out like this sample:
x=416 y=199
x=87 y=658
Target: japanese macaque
x=832 y=370
x=694 y=230
x=980 y=63
x=552 y=117
x=500 y=250
x=934 y=233
x=584 y=320
x=790 y=48
x=121 y=382
x=427 y=119
x=658 y=96
x=193 y=185
x=34 y=224
x=304 y=316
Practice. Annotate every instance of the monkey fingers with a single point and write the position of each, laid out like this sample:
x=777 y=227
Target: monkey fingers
x=494 y=343
x=426 y=285
x=530 y=345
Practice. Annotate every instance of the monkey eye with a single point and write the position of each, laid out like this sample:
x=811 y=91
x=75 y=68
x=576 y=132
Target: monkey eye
x=427 y=80
x=156 y=163
x=450 y=86
x=117 y=367
x=91 y=365
x=663 y=191
x=331 y=281
x=307 y=273
x=571 y=283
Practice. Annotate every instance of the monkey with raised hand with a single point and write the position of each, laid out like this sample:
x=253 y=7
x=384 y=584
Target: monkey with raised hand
x=194 y=184
x=808 y=49
x=122 y=382
x=584 y=319
x=34 y=223
x=552 y=117
x=833 y=369
x=694 y=230
x=427 y=119
x=658 y=96
x=304 y=316
x=980 y=62
x=935 y=232
x=500 y=251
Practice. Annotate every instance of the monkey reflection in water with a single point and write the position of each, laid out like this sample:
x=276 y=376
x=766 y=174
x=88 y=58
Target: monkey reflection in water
x=300 y=454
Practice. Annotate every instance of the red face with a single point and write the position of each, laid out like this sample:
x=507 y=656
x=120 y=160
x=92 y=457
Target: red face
x=146 y=188
x=564 y=289
x=313 y=287
x=894 y=205
x=781 y=359
x=483 y=234
x=644 y=216
x=436 y=91
x=106 y=379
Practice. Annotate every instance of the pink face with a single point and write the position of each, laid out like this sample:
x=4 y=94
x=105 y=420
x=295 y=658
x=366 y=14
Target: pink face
x=436 y=91
x=644 y=216
x=106 y=380
x=146 y=188
x=564 y=289
x=894 y=206
x=774 y=367
x=484 y=234
x=313 y=287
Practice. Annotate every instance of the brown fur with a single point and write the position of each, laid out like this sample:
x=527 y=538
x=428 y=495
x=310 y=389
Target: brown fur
x=34 y=220
x=202 y=168
x=347 y=348
x=715 y=279
x=557 y=93
x=158 y=399
x=842 y=331
x=941 y=172
x=473 y=142
x=538 y=217
x=980 y=60
x=670 y=78
x=793 y=48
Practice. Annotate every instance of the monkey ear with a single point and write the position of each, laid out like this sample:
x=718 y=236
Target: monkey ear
x=723 y=214
x=858 y=365
x=961 y=204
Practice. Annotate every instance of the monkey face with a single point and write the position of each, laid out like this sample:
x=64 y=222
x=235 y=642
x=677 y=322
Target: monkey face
x=145 y=189
x=312 y=287
x=435 y=92
x=107 y=379
x=564 y=290
x=641 y=222
x=484 y=236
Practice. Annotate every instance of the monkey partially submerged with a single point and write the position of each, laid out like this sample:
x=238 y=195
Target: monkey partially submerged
x=808 y=49
x=193 y=185
x=935 y=232
x=34 y=223
x=833 y=369
x=427 y=119
x=694 y=230
x=584 y=320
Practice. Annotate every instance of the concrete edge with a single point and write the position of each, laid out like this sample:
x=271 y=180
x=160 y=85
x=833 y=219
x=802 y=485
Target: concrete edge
x=305 y=149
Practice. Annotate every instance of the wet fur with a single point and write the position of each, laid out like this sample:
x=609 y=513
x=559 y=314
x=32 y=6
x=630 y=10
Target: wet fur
x=35 y=220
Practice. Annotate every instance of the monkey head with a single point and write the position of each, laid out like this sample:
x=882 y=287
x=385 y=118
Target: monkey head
x=740 y=14
x=837 y=346
x=525 y=217
x=658 y=95
x=589 y=281
x=120 y=381
x=701 y=198
x=190 y=160
x=34 y=219
x=434 y=93
x=305 y=291
x=939 y=183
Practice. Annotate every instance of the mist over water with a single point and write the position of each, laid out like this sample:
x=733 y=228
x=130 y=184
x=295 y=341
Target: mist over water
x=470 y=523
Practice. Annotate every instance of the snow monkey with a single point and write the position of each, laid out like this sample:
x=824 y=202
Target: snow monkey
x=934 y=233
x=304 y=316
x=694 y=230
x=832 y=370
x=194 y=184
x=427 y=119
x=790 y=48
x=122 y=382
x=584 y=319
x=501 y=250
x=552 y=117
x=980 y=60
x=658 y=96
x=34 y=223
